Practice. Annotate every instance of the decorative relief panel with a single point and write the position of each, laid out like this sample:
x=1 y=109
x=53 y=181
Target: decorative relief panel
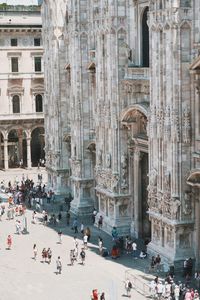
x=107 y=180
x=186 y=126
x=76 y=168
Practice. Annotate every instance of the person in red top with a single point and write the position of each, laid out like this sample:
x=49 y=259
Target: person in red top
x=9 y=241
x=95 y=294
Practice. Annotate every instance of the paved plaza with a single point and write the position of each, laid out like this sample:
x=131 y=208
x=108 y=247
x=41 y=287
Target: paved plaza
x=14 y=175
x=23 y=278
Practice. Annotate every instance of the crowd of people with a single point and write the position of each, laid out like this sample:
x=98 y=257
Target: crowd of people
x=171 y=290
x=27 y=194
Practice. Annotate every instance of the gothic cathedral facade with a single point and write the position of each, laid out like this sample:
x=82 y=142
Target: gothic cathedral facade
x=122 y=115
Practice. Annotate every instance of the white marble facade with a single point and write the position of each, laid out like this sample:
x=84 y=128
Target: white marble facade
x=122 y=115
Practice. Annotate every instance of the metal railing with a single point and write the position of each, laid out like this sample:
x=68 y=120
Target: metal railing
x=140 y=286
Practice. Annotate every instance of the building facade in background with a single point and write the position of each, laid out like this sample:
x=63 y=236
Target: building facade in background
x=21 y=87
x=122 y=115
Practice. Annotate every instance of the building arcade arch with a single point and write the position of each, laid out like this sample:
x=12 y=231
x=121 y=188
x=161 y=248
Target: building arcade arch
x=135 y=121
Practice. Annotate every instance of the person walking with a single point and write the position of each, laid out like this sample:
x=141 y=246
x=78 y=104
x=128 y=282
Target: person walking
x=49 y=255
x=82 y=256
x=44 y=255
x=18 y=227
x=58 y=265
x=9 y=242
x=75 y=243
x=128 y=287
x=72 y=257
x=34 y=252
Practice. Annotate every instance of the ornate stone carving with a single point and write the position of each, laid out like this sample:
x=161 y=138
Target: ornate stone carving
x=167 y=123
x=175 y=208
x=152 y=189
x=185 y=238
x=167 y=181
x=156 y=234
x=107 y=180
x=176 y=127
x=111 y=208
x=99 y=158
x=103 y=203
x=115 y=183
x=160 y=119
x=169 y=237
x=152 y=122
x=186 y=126
x=124 y=169
x=187 y=204
x=108 y=160
x=124 y=208
x=76 y=168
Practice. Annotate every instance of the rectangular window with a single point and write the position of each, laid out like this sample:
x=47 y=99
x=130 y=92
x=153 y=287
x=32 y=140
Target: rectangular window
x=37 y=42
x=14 y=64
x=38 y=64
x=13 y=42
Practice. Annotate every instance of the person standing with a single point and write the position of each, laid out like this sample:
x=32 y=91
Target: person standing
x=34 y=252
x=134 y=248
x=9 y=242
x=100 y=222
x=49 y=255
x=88 y=233
x=59 y=237
x=100 y=246
x=82 y=228
x=75 y=225
x=94 y=215
x=102 y=296
x=95 y=294
x=85 y=239
x=68 y=217
x=58 y=265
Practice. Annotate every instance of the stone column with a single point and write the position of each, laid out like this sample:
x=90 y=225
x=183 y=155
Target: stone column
x=197 y=225
x=136 y=192
x=20 y=137
x=5 y=154
x=29 y=163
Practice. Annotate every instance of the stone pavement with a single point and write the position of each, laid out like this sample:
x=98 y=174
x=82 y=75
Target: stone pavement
x=23 y=278
x=17 y=173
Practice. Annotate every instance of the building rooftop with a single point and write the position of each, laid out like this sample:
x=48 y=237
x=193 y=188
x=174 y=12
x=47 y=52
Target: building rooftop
x=20 y=2
x=19 y=15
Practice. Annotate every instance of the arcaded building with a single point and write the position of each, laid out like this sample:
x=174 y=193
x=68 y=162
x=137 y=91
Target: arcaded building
x=21 y=86
x=122 y=115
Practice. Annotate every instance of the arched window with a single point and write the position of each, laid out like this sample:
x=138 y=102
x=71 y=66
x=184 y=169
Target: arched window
x=39 y=103
x=16 y=104
x=145 y=39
